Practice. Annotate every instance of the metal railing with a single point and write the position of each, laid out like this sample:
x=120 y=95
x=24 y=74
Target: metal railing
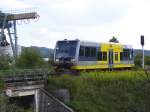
x=49 y=103
x=25 y=77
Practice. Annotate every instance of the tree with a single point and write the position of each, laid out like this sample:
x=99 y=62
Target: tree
x=5 y=62
x=147 y=60
x=114 y=39
x=138 y=60
x=30 y=58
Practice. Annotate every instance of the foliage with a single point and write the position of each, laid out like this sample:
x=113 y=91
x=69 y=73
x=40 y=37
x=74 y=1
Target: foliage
x=114 y=39
x=16 y=104
x=30 y=58
x=1 y=84
x=147 y=60
x=138 y=60
x=12 y=107
x=126 y=91
x=5 y=62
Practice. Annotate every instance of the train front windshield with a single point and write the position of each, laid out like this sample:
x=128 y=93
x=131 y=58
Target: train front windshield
x=66 y=49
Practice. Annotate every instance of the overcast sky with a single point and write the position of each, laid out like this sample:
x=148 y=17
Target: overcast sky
x=92 y=20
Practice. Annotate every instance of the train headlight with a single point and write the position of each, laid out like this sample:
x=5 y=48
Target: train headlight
x=72 y=59
x=57 y=60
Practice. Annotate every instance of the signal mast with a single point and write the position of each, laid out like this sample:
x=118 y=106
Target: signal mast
x=142 y=43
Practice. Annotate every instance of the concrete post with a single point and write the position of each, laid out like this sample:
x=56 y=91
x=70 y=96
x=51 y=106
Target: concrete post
x=143 y=57
x=37 y=100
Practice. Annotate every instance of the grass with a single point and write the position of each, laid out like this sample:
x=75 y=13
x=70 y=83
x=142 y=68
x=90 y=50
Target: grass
x=125 y=91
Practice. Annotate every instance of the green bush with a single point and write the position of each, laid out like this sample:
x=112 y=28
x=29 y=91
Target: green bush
x=147 y=60
x=5 y=62
x=138 y=60
x=107 y=91
x=30 y=58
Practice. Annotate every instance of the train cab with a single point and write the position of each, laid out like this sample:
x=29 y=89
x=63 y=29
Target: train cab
x=65 y=53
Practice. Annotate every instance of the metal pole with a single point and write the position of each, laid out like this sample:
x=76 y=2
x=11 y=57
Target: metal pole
x=37 y=100
x=143 y=57
x=16 y=39
x=11 y=42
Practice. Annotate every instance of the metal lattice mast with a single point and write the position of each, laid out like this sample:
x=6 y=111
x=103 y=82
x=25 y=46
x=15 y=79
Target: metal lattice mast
x=8 y=21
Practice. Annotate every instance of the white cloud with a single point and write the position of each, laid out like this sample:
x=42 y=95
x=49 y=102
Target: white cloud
x=43 y=30
x=13 y=4
x=136 y=23
x=85 y=12
x=93 y=20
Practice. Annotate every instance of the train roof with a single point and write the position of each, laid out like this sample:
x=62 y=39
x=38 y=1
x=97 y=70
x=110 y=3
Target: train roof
x=91 y=43
x=106 y=43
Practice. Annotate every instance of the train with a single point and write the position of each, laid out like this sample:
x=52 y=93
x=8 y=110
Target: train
x=85 y=55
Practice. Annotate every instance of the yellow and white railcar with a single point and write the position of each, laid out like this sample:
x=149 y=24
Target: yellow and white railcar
x=80 y=55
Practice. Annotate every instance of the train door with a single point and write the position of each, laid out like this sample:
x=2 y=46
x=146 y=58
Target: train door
x=111 y=59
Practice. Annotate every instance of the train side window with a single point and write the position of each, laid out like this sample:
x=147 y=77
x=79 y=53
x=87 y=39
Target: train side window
x=82 y=51
x=116 y=56
x=131 y=54
x=99 y=56
x=121 y=55
x=126 y=54
x=87 y=51
x=104 y=56
x=93 y=52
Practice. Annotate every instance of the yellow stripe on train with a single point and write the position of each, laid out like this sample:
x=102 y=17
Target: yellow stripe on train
x=123 y=65
x=101 y=66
